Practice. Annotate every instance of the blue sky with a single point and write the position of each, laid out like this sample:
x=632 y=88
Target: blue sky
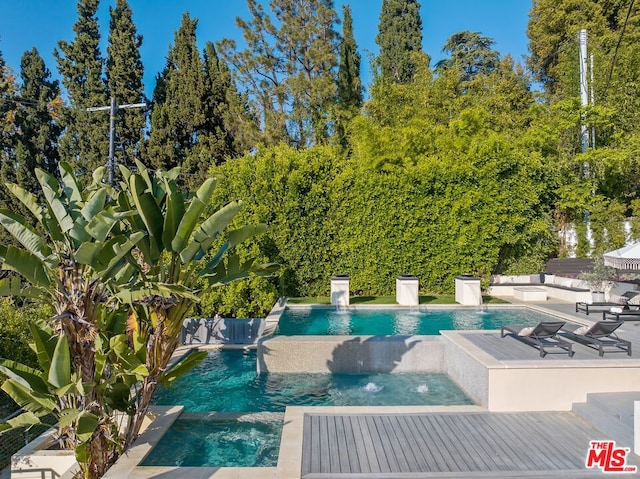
x=41 y=23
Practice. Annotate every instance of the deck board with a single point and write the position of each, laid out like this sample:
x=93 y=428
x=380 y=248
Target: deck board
x=402 y=445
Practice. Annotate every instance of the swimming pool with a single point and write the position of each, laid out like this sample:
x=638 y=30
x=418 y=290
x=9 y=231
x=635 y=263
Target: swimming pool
x=227 y=382
x=388 y=322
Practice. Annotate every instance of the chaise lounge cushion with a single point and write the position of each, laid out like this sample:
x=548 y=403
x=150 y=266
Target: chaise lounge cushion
x=582 y=330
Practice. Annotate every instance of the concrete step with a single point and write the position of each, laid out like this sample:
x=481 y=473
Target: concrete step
x=612 y=413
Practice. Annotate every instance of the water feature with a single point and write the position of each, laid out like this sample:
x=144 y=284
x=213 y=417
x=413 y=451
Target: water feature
x=234 y=415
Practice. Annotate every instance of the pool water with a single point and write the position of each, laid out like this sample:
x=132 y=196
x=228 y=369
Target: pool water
x=226 y=382
x=385 y=322
x=248 y=441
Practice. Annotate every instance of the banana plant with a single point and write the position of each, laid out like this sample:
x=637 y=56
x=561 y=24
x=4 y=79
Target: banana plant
x=182 y=244
x=75 y=261
x=53 y=396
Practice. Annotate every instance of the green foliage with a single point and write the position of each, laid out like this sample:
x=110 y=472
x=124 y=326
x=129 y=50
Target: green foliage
x=470 y=53
x=288 y=68
x=349 y=84
x=124 y=72
x=247 y=298
x=400 y=39
x=418 y=196
x=80 y=66
x=14 y=330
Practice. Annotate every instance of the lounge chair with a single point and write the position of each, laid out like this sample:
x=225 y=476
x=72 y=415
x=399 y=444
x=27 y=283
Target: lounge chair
x=600 y=334
x=623 y=303
x=621 y=314
x=544 y=335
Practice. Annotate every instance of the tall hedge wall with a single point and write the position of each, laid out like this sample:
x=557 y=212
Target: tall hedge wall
x=474 y=210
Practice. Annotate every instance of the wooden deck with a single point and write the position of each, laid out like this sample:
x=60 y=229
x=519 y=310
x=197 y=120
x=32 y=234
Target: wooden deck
x=449 y=445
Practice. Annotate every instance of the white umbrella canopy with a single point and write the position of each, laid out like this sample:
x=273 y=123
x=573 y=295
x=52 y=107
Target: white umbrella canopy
x=627 y=257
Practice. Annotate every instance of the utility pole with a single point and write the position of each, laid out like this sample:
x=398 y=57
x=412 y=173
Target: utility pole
x=584 y=87
x=113 y=108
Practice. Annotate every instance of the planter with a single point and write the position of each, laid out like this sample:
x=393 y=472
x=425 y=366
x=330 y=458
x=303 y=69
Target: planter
x=597 y=296
x=40 y=458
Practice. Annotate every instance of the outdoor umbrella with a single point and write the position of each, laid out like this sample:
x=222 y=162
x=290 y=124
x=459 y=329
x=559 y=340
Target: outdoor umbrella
x=627 y=257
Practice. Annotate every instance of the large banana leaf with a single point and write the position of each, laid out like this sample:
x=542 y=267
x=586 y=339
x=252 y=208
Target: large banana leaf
x=71 y=187
x=174 y=212
x=187 y=224
x=187 y=363
x=149 y=213
x=207 y=232
x=24 y=233
x=24 y=420
x=28 y=265
x=94 y=205
x=28 y=199
x=28 y=399
x=60 y=371
x=104 y=256
x=192 y=215
x=44 y=345
x=242 y=234
x=50 y=189
x=28 y=377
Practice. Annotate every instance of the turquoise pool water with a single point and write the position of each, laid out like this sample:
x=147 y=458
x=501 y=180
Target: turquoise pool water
x=227 y=382
x=201 y=442
x=383 y=322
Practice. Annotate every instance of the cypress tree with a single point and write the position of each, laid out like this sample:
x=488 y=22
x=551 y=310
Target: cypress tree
x=84 y=143
x=399 y=37
x=228 y=130
x=124 y=73
x=349 y=84
x=178 y=112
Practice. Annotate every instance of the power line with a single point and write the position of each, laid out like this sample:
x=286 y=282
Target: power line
x=615 y=52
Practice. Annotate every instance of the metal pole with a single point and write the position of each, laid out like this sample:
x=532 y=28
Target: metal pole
x=112 y=134
x=113 y=108
x=593 y=128
x=584 y=90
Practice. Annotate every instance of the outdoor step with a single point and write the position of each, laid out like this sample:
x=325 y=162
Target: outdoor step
x=612 y=413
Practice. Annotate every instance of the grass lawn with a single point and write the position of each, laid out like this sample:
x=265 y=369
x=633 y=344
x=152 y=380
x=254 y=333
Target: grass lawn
x=424 y=299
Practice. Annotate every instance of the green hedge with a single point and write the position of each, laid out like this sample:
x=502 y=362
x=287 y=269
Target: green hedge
x=472 y=212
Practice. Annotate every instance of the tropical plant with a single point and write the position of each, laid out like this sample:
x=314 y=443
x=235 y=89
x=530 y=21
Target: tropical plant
x=56 y=269
x=172 y=260
x=120 y=270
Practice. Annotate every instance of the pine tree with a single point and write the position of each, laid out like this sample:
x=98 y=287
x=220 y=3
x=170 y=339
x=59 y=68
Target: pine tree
x=349 y=84
x=8 y=107
x=84 y=143
x=470 y=53
x=124 y=72
x=178 y=112
x=400 y=38
x=289 y=68
x=36 y=144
